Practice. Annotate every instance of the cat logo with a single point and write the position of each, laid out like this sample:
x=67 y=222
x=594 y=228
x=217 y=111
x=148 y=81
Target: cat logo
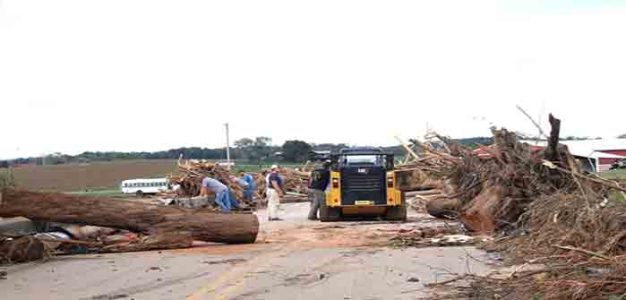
x=362 y=171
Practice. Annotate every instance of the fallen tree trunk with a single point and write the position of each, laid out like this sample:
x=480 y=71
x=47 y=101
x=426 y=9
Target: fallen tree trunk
x=443 y=207
x=169 y=240
x=203 y=225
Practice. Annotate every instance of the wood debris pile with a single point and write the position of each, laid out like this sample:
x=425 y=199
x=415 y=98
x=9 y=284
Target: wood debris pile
x=544 y=207
x=295 y=181
x=424 y=236
x=190 y=174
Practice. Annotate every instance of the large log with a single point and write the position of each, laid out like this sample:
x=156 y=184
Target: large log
x=168 y=240
x=204 y=225
x=443 y=207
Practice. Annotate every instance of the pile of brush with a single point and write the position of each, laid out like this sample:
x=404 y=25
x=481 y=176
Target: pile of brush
x=545 y=210
x=294 y=181
x=190 y=174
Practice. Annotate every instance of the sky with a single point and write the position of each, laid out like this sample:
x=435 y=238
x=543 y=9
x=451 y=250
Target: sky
x=153 y=75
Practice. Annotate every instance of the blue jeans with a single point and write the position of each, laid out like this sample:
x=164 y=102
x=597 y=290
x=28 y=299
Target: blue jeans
x=222 y=198
x=247 y=195
x=232 y=200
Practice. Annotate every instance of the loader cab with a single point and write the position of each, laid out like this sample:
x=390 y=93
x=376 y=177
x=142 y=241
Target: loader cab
x=363 y=156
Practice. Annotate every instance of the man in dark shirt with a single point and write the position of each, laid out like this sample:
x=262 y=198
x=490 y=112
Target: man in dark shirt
x=274 y=193
x=317 y=188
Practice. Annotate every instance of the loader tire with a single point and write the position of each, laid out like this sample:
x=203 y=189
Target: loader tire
x=396 y=213
x=329 y=214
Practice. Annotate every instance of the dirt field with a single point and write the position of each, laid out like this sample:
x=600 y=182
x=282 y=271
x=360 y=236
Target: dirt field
x=96 y=175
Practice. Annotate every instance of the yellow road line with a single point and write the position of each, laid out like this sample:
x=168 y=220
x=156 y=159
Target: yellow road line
x=235 y=274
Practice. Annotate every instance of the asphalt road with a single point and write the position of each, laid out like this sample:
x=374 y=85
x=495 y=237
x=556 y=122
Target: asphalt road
x=292 y=259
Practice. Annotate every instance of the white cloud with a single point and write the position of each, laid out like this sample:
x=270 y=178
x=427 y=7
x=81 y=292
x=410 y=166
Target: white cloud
x=151 y=75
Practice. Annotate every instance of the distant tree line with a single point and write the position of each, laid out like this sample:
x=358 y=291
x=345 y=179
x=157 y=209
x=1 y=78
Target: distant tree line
x=474 y=142
x=85 y=157
x=188 y=152
x=580 y=138
x=255 y=150
x=523 y=136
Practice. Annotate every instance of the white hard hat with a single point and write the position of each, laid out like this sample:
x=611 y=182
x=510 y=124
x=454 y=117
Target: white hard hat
x=274 y=167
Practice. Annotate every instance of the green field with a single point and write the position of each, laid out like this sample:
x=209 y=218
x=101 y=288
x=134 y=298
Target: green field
x=619 y=174
x=115 y=193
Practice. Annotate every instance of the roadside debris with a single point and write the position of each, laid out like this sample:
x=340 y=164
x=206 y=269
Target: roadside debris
x=23 y=249
x=190 y=173
x=225 y=261
x=295 y=181
x=154 y=226
x=162 y=241
x=432 y=237
x=542 y=207
x=123 y=226
x=204 y=225
x=455 y=240
x=440 y=241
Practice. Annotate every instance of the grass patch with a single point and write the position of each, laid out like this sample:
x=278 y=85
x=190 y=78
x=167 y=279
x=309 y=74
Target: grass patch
x=618 y=174
x=617 y=196
x=104 y=192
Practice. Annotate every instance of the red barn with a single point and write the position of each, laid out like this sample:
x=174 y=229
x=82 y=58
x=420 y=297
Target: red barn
x=595 y=155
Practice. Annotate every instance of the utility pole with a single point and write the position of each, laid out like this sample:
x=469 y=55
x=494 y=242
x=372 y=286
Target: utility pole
x=227 y=147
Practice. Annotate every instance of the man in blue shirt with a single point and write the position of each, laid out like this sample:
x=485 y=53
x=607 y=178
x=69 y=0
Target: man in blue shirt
x=222 y=193
x=249 y=189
